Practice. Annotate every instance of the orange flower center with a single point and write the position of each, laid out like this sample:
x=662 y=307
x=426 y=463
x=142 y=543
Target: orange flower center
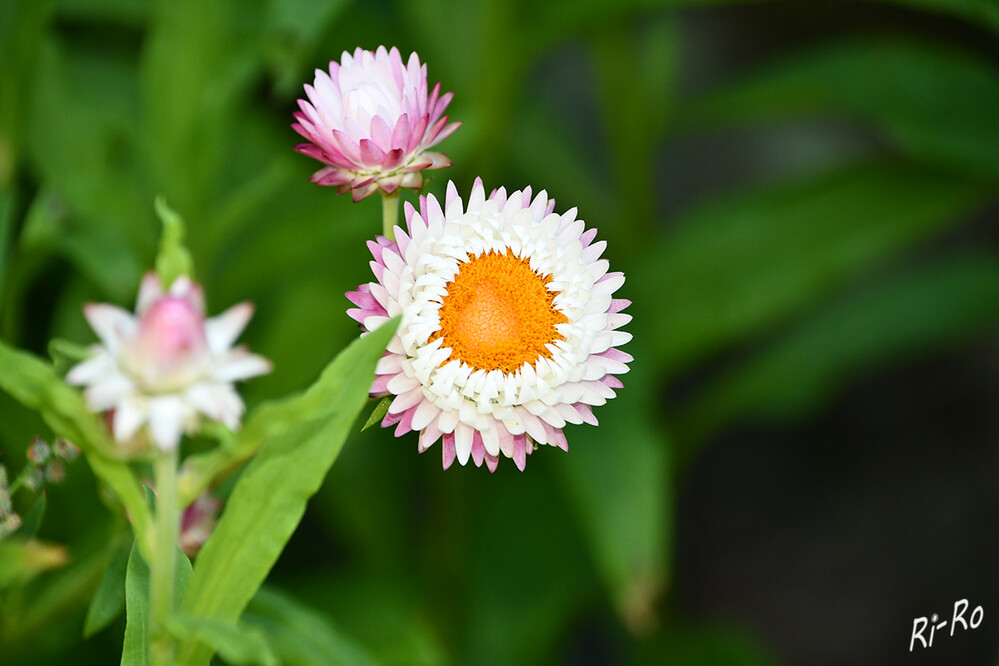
x=498 y=314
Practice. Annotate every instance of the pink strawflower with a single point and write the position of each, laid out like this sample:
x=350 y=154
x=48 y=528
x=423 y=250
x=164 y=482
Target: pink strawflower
x=166 y=365
x=509 y=326
x=371 y=121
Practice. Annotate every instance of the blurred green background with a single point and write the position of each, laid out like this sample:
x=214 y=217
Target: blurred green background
x=803 y=197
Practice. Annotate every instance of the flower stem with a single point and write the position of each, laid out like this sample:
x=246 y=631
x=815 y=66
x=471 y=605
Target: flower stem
x=390 y=214
x=163 y=562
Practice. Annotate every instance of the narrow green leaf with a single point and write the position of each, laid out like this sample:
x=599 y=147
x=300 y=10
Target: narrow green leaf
x=33 y=520
x=736 y=266
x=65 y=354
x=94 y=196
x=197 y=63
x=22 y=25
x=270 y=497
x=34 y=384
x=380 y=410
x=301 y=636
x=21 y=560
x=938 y=104
x=135 y=650
x=173 y=259
x=98 y=251
x=268 y=420
x=56 y=595
x=109 y=600
x=618 y=478
x=6 y=229
x=923 y=309
x=237 y=645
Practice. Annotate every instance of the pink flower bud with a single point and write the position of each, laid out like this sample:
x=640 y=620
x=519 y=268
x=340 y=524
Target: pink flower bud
x=170 y=349
x=371 y=121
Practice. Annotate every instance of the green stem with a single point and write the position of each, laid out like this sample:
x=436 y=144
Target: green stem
x=390 y=214
x=163 y=561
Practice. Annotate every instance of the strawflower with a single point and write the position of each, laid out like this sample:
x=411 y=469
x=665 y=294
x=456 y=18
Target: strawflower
x=167 y=365
x=509 y=325
x=371 y=121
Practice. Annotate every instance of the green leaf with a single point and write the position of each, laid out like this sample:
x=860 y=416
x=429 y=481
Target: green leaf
x=6 y=230
x=618 y=478
x=22 y=24
x=33 y=520
x=237 y=645
x=109 y=600
x=34 y=384
x=296 y=27
x=198 y=62
x=739 y=265
x=59 y=594
x=268 y=420
x=94 y=198
x=173 y=259
x=65 y=354
x=301 y=636
x=97 y=251
x=922 y=309
x=21 y=560
x=380 y=410
x=270 y=497
x=937 y=104
x=135 y=650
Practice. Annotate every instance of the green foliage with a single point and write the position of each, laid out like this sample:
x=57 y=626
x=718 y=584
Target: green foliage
x=938 y=104
x=918 y=310
x=237 y=645
x=109 y=599
x=299 y=635
x=33 y=519
x=269 y=500
x=23 y=559
x=136 y=647
x=34 y=384
x=135 y=650
x=749 y=260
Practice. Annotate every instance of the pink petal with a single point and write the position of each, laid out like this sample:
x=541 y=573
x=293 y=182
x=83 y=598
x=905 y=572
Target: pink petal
x=520 y=451
x=448 y=453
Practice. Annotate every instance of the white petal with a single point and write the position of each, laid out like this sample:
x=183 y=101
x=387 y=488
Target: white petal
x=149 y=291
x=223 y=330
x=219 y=402
x=463 y=436
x=129 y=416
x=93 y=369
x=167 y=419
x=111 y=324
x=241 y=365
x=105 y=394
x=425 y=413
